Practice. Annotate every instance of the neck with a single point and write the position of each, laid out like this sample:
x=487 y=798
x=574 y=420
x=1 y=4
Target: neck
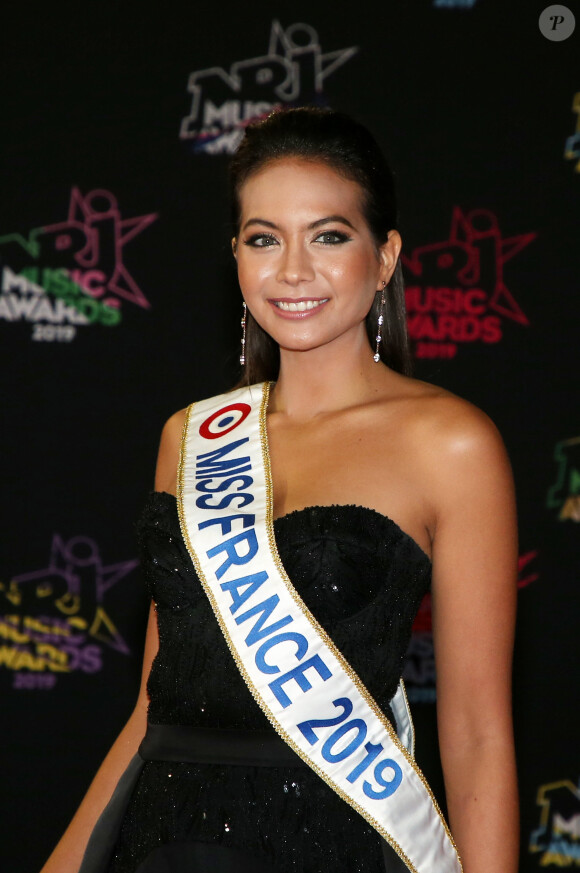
x=325 y=380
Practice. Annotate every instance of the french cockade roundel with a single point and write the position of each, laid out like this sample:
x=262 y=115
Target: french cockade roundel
x=224 y=420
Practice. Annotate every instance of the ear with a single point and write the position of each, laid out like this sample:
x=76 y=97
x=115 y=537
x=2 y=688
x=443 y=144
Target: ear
x=234 y=246
x=389 y=255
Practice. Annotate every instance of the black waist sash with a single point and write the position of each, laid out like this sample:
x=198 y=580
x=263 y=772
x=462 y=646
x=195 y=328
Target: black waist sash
x=176 y=742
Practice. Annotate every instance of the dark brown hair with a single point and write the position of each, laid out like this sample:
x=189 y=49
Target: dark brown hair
x=350 y=149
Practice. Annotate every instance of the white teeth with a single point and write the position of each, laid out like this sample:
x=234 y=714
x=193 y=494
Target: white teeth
x=299 y=305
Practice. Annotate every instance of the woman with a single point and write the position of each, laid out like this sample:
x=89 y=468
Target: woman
x=380 y=483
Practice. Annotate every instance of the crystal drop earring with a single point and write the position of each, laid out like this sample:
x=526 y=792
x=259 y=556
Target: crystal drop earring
x=243 y=323
x=376 y=356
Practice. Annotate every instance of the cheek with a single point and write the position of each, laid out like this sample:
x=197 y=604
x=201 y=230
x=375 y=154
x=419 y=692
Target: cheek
x=248 y=278
x=253 y=272
x=355 y=273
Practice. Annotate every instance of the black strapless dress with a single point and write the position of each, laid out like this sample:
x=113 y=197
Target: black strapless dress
x=363 y=578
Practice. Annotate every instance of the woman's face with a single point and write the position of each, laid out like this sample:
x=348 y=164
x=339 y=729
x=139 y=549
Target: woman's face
x=308 y=265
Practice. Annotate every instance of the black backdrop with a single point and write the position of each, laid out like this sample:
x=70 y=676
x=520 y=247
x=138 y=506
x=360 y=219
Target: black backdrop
x=119 y=305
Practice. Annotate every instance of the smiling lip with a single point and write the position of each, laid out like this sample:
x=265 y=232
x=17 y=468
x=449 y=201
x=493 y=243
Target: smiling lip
x=298 y=308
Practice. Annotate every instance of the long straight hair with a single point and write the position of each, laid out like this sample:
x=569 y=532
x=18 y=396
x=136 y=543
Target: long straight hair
x=349 y=148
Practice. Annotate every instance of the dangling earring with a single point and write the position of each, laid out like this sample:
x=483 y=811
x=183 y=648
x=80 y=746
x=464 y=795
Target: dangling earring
x=243 y=323
x=379 y=337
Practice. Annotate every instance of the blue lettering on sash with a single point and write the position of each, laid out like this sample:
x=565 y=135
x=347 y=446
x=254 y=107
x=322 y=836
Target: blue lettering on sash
x=211 y=463
x=250 y=583
x=297 y=673
x=208 y=473
x=248 y=520
x=244 y=499
x=299 y=639
x=223 y=486
x=265 y=609
x=388 y=786
x=234 y=556
x=373 y=750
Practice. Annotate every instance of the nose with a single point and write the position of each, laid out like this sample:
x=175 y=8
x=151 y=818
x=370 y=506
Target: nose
x=295 y=264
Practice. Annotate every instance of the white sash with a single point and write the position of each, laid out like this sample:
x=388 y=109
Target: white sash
x=308 y=691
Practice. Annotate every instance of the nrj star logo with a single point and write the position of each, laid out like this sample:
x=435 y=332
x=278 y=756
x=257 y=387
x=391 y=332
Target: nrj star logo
x=72 y=272
x=462 y=291
x=558 y=836
x=55 y=619
x=293 y=70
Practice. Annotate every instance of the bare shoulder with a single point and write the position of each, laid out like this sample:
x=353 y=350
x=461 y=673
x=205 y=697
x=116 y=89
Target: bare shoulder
x=168 y=457
x=437 y=421
x=454 y=426
x=457 y=445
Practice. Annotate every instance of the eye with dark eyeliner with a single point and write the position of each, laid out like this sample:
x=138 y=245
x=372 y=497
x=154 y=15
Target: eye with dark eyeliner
x=261 y=240
x=332 y=237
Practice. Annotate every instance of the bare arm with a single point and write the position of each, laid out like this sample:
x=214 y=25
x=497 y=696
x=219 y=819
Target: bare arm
x=68 y=854
x=474 y=601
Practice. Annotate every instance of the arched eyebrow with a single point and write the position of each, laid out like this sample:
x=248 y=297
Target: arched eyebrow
x=261 y=221
x=329 y=219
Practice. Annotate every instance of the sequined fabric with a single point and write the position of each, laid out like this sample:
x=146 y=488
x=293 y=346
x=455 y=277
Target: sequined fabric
x=363 y=579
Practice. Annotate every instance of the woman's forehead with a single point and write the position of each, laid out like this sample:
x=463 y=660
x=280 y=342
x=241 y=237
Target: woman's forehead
x=299 y=183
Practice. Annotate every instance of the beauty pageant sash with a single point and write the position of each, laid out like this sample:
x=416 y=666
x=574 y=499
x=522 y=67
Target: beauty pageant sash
x=310 y=694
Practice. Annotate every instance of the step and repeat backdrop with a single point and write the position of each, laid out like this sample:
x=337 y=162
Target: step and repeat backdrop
x=119 y=305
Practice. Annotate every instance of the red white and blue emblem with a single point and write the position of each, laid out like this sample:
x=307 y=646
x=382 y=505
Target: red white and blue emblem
x=224 y=420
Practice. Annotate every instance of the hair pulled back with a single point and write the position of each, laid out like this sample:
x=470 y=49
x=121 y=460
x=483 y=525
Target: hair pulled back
x=345 y=145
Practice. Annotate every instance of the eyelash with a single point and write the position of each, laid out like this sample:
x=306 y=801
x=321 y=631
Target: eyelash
x=339 y=237
x=254 y=241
